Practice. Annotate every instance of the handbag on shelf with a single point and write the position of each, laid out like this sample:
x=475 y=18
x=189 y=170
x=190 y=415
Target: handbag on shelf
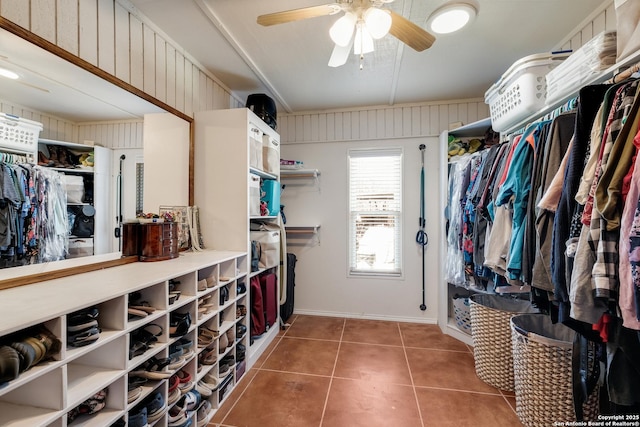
x=84 y=224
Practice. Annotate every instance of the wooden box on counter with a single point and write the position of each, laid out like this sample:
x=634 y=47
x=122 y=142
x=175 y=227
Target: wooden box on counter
x=153 y=241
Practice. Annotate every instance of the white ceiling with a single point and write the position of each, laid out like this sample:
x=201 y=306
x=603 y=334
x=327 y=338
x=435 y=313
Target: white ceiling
x=289 y=61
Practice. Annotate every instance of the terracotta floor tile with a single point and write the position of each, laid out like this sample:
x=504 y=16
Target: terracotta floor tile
x=267 y=352
x=445 y=369
x=323 y=328
x=371 y=332
x=429 y=336
x=303 y=356
x=355 y=403
x=372 y=362
x=372 y=381
x=278 y=399
x=444 y=408
x=234 y=396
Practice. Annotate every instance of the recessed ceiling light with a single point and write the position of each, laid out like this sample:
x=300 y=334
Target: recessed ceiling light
x=451 y=17
x=8 y=74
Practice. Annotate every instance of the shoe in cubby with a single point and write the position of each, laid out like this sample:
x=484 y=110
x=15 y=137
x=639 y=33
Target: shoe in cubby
x=207 y=278
x=26 y=349
x=138 y=306
x=186 y=285
x=241 y=330
x=241 y=288
x=180 y=323
x=154 y=368
x=224 y=295
x=206 y=305
x=155 y=405
x=208 y=356
x=204 y=413
x=206 y=336
x=138 y=418
x=83 y=327
x=144 y=338
x=92 y=405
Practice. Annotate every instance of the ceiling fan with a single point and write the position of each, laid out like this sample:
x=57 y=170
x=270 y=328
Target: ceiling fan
x=362 y=22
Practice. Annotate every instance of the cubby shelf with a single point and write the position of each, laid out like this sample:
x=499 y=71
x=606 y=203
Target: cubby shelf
x=54 y=387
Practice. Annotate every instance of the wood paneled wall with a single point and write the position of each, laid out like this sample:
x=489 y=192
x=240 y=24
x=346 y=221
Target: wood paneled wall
x=54 y=127
x=388 y=122
x=115 y=135
x=602 y=19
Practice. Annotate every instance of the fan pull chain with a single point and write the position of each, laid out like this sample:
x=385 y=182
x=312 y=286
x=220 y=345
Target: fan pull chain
x=361 y=62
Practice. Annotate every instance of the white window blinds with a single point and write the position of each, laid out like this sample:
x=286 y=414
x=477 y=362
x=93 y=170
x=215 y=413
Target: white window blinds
x=375 y=211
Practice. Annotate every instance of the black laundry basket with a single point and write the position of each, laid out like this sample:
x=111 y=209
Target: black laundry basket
x=543 y=372
x=491 y=333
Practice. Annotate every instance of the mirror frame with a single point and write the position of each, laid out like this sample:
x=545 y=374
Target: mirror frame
x=58 y=51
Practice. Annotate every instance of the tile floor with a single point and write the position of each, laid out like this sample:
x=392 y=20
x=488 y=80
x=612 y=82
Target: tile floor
x=336 y=372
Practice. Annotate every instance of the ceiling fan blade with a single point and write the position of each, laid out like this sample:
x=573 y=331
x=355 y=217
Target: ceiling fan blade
x=340 y=54
x=409 y=33
x=298 y=14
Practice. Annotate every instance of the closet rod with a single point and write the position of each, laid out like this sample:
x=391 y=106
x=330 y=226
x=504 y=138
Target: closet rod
x=623 y=75
x=8 y=157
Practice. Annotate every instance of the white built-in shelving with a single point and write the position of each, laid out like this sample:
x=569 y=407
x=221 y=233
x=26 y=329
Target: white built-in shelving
x=44 y=394
x=230 y=147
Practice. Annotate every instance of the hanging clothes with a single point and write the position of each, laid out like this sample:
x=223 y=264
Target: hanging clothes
x=561 y=132
x=515 y=191
x=629 y=300
x=458 y=182
x=589 y=101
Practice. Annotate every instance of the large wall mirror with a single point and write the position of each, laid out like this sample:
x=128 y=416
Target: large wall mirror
x=55 y=84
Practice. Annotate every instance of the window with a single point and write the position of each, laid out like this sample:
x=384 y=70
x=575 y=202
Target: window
x=375 y=211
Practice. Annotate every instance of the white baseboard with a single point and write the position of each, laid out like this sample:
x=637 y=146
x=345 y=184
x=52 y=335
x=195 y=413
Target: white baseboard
x=427 y=321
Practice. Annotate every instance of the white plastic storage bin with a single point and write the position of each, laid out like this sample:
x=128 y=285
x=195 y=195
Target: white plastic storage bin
x=521 y=91
x=254 y=195
x=270 y=155
x=79 y=247
x=74 y=184
x=255 y=148
x=19 y=134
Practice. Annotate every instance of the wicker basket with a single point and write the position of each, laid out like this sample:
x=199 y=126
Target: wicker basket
x=461 y=314
x=491 y=333
x=542 y=354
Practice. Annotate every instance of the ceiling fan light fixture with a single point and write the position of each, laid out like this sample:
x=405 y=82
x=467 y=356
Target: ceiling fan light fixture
x=363 y=42
x=342 y=30
x=378 y=22
x=451 y=17
x=8 y=74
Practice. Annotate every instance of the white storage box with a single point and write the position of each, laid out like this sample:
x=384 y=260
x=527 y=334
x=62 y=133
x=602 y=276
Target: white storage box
x=80 y=247
x=74 y=185
x=521 y=91
x=255 y=148
x=254 y=195
x=593 y=57
x=270 y=155
x=19 y=134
